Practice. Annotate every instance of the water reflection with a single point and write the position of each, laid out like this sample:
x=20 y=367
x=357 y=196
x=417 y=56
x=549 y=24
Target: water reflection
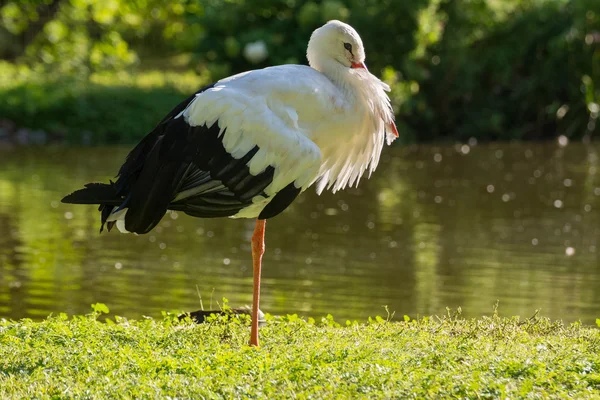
x=436 y=227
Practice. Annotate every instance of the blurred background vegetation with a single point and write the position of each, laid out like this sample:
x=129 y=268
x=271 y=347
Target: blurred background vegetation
x=105 y=71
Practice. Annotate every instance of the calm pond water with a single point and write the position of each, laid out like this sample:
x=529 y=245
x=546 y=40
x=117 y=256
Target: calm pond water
x=435 y=227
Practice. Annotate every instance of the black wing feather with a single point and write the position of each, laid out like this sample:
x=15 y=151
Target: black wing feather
x=160 y=177
x=135 y=159
x=185 y=168
x=94 y=193
x=280 y=201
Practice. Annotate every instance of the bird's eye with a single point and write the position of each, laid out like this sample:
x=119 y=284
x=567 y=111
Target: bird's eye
x=348 y=47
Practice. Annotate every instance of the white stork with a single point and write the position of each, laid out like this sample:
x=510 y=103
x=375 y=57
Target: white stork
x=248 y=145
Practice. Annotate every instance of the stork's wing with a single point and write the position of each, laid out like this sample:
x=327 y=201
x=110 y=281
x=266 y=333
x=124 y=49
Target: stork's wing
x=348 y=125
x=262 y=108
x=245 y=161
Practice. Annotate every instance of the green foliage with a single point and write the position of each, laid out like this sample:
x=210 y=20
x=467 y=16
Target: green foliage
x=100 y=308
x=489 y=357
x=490 y=69
x=83 y=36
x=527 y=75
x=107 y=108
x=285 y=28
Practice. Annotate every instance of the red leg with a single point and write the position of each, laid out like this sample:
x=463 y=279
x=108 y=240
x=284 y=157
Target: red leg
x=258 y=249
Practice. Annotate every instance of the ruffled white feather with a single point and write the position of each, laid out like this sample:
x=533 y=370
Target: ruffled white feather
x=326 y=126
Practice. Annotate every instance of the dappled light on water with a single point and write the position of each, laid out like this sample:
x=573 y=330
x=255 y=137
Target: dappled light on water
x=435 y=227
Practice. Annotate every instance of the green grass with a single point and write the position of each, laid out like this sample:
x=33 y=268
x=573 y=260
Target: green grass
x=107 y=108
x=488 y=357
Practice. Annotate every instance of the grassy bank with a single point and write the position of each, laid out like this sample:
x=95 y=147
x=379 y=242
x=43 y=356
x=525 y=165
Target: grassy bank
x=488 y=357
x=102 y=108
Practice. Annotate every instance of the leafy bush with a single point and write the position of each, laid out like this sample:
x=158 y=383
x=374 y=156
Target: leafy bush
x=459 y=68
x=107 y=108
x=285 y=28
x=490 y=69
x=530 y=76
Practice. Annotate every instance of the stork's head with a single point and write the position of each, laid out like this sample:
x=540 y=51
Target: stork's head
x=336 y=50
x=335 y=42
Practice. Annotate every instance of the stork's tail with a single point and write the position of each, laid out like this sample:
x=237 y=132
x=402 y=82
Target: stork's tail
x=94 y=193
x=103 y=194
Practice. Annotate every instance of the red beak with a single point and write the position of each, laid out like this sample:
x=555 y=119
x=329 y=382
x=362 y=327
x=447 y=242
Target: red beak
x=359 y=65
